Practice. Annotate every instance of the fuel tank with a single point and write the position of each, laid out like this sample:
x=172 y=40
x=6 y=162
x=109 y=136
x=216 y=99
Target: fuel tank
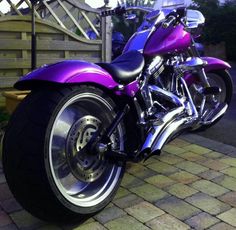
x=167 y=40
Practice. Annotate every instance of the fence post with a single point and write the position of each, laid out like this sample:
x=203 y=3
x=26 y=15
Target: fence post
x=106 y=38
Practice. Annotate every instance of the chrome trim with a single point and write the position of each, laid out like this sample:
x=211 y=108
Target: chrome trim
x=217 y=115
x=153 y=134
x=172 y=128
x=167 y=95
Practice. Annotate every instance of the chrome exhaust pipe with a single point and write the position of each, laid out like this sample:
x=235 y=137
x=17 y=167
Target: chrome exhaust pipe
x=174 y=121
x=172 y=129
x=156 y=130
x=215 y=114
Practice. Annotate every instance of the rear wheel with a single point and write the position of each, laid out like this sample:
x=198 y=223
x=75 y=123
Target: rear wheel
x=47 y=165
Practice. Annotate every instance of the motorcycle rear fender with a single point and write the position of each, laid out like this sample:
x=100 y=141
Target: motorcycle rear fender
x=73 y=72
x=212 y=65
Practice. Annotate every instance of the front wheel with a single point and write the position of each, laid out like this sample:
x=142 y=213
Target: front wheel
x=217 y=78
x=46 y=162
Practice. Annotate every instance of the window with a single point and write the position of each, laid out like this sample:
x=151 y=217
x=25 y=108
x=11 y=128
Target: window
x=166 y=3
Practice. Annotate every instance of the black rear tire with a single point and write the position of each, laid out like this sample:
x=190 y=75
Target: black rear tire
x=36 y=158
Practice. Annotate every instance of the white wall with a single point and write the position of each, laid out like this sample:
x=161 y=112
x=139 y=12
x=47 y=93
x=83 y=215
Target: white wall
x=164 y=3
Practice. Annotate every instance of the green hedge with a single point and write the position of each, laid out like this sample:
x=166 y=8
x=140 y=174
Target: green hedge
x=220 y=24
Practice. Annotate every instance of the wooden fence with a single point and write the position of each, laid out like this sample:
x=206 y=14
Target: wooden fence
x=62 y=28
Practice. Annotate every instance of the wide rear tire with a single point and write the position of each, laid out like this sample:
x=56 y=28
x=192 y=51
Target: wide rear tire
x=46 y=136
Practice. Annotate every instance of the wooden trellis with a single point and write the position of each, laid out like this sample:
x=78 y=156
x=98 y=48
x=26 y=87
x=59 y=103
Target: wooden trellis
x=69 y=14
x=66 y=29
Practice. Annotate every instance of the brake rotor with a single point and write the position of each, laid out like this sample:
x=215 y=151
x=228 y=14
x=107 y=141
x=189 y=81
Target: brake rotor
x=85 y=166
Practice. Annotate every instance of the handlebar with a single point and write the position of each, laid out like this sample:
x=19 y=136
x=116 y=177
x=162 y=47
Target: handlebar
x=122 y=10
x=116 y=11
x=169 y=21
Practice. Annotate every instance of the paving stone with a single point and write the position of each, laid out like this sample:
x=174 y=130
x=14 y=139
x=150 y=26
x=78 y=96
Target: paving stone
x=73 y=225
x=121 y=193
x=170 y=159
x=149 y=192
x=167 y=222
x=184 y=177
x=230 y=171
x=229 y=217
x=4 y=219
x=191 y=167
x=207 y=143
x=192 y=138
x=144 y=211
x=130 y=181
x=141 y=171
x=160 y=181
x=173 y=149
x=128 y=201
x=24 y=220
x=9 y=227
x=2 y=178
x=179 y=142
x=226 y=149
x=210 y=174
x=181 y=191
x=226 y=181
x=90 y=226
x=197 y=149
x=163 y=168
x=229 y=161
x=190 y=156
x=214 y=164
x=10 y=205
x=53 y=227
x=177 y=208
x=207 y=203
x=125 y=222
x=150 y=160
x=229 y=198
x=202 y=221
x=221 y=226
x=109 y=214
x=209 y=188
x=214 y=155
x=5 y=193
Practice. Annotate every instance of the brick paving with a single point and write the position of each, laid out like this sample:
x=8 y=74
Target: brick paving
x=192 y=185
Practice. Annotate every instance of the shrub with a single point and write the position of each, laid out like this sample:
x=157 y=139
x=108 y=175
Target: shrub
x=220 y=24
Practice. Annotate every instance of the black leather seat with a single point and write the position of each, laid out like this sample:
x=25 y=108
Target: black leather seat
x=126 y=67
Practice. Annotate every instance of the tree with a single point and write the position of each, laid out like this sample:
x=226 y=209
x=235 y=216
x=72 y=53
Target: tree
x=220 y=23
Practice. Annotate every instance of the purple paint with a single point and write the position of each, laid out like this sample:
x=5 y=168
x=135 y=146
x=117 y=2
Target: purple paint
x=212 y=64
x=215 y=64
x=70 y=72
x=167 y=40
x=137 y=41
x=132 y=88
x=75 y=72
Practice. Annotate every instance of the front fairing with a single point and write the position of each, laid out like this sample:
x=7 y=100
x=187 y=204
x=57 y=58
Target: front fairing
x=139 y=39
x=167 y=40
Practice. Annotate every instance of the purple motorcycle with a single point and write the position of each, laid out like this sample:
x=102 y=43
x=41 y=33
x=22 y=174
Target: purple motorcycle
x=67 y=143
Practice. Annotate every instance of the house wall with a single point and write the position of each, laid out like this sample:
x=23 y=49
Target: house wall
x=173 y=3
